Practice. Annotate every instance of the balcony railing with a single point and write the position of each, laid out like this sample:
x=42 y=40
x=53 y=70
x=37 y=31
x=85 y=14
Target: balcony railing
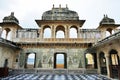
x=55 y=40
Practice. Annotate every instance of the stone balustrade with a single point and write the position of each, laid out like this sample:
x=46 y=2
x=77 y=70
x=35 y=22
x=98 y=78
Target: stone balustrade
x=50 y=71
x=55 y=40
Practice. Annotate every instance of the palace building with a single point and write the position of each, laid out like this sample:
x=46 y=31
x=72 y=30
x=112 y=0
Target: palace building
x=60 y=42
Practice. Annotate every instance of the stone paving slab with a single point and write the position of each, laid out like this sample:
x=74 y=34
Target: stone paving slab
x=56 y=77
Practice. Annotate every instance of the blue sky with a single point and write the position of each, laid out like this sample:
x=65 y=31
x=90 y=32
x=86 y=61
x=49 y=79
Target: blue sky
x=92 y=11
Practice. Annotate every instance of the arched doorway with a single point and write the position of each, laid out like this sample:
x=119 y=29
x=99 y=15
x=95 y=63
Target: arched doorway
x=114 y=64
x=60 y=60
x=114 y=59
x=91 y=60
x=30 y=60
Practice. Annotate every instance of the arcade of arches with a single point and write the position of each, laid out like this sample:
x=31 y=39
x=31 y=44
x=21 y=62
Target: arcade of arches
x=60 y=42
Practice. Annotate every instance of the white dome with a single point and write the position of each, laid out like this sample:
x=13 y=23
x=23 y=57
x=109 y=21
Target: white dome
x=60 y=14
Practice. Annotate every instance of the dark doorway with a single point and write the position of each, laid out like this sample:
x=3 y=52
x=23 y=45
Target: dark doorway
x=60 y=60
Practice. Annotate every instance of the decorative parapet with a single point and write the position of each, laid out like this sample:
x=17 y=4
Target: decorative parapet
x=55 y=40
x=109 y=38
x=33 y=36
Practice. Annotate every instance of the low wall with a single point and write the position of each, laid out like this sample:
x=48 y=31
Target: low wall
x=53 y=71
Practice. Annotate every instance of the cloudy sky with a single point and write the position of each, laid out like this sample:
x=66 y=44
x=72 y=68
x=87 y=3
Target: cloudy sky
x=92 y=11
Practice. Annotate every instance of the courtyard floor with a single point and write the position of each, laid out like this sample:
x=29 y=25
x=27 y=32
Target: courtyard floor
x=56 y=77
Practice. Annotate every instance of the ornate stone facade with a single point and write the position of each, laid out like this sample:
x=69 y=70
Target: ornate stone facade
x=45 y=49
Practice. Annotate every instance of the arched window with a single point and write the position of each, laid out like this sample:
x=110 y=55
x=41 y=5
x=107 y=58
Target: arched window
x=107 y=33
x=73 y=32
x=47 y=32
x=4 y=34
x=9 y=35
x=60 y=34
x=113 y=31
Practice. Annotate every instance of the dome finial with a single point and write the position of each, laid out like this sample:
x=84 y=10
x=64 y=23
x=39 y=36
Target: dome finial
x=12 y=13
x=104 y=15
x=53 y=5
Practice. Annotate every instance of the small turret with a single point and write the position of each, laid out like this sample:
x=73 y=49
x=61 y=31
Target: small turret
x=107 y=20
x=10 y=19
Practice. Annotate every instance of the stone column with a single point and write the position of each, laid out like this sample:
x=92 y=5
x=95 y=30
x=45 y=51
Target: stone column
x=103 y=33
x=66 y=32
x=52 y=31
x=98 y=63
x=41 y=32
x=14 y=33
x=107 y=64
x=78 y=33
x=1 y=31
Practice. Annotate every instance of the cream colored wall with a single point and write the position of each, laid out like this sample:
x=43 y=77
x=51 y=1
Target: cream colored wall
x=7 y=53
x=114 y=44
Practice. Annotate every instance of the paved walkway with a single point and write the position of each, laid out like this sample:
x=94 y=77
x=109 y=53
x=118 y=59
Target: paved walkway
x=55 y=77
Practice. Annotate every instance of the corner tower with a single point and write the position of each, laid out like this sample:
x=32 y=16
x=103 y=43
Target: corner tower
x=108 y=25
x=10 y=25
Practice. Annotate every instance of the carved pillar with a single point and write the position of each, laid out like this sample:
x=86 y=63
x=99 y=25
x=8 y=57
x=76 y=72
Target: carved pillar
x=107 y=64
x=13 y=34
x=78 y=33
x=6 y=35
x=53 y=31
x=66 y=32
x=1 y=31
x=98 y=62
x=41 y=32
x=103 y=33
